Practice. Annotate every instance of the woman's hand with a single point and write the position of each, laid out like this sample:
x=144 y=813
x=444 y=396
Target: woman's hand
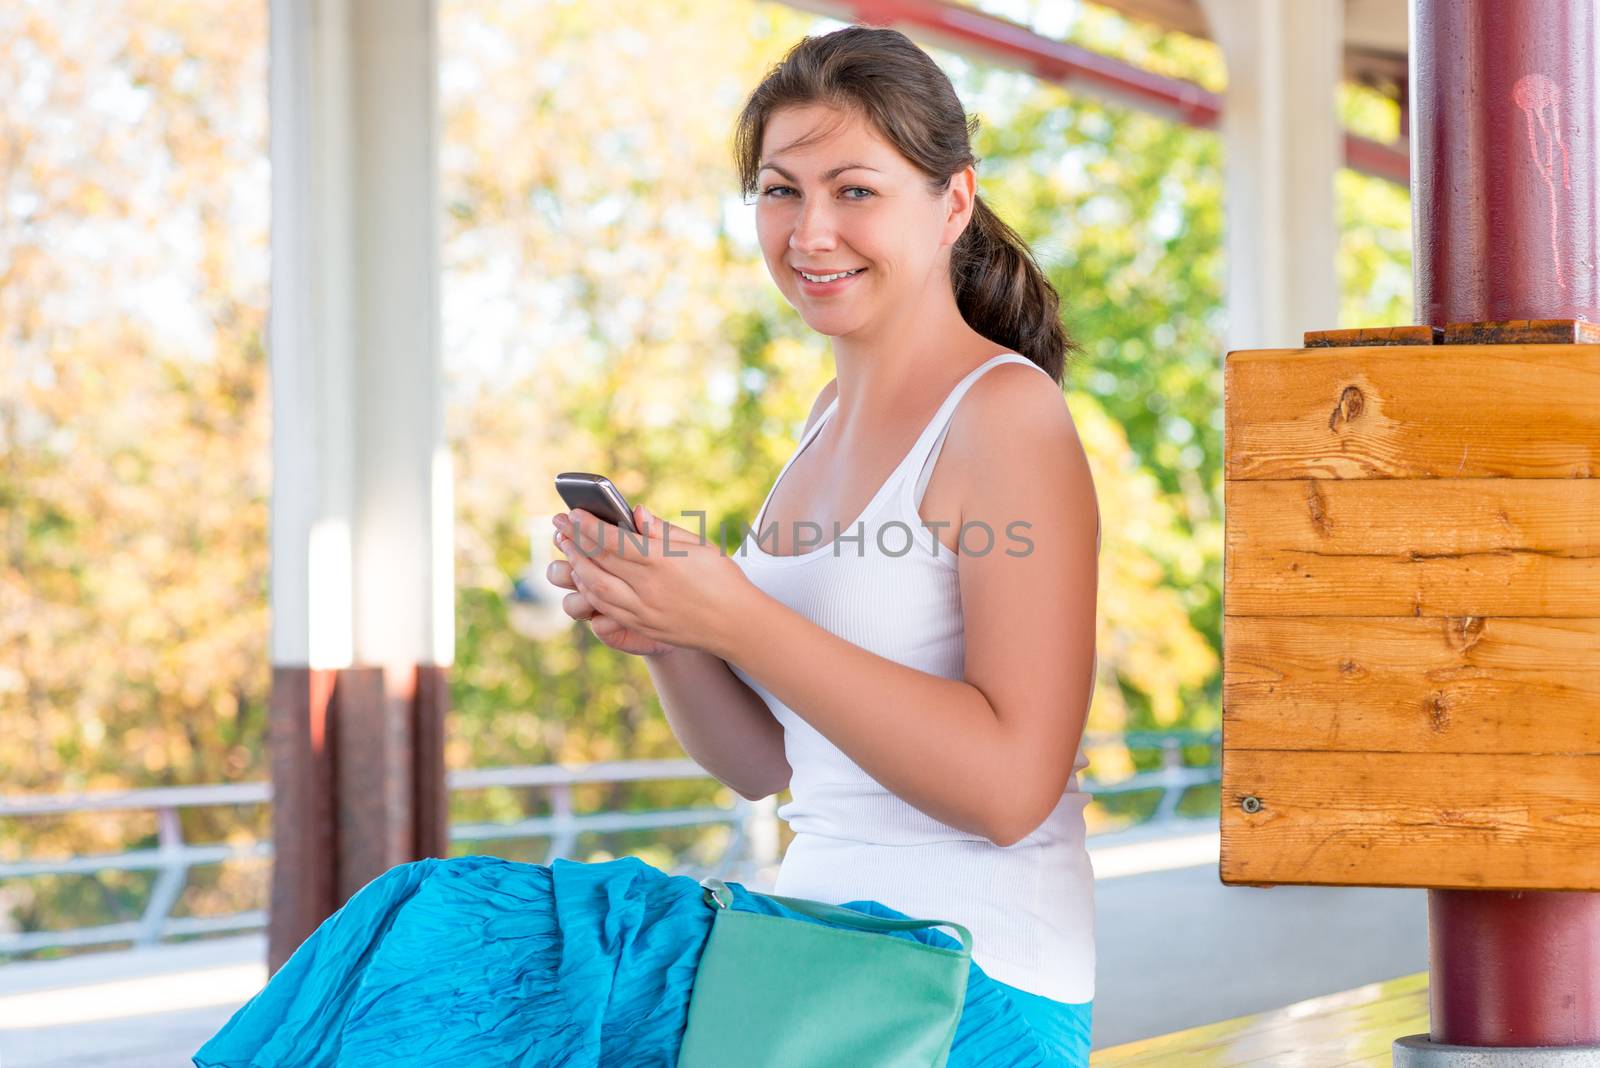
x=578 y=606
x=665 y=584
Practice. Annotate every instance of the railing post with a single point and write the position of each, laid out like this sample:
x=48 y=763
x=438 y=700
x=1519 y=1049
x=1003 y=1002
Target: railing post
x=169 y=884
x=1174 y=783
x=761 y=832
x=565 y=838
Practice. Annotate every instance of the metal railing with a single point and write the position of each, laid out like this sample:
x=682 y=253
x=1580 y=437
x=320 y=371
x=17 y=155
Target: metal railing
x=752 y=845
x=1173 y=778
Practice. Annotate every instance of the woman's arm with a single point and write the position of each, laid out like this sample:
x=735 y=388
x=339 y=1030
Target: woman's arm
x=722 y=724
x=990 y=753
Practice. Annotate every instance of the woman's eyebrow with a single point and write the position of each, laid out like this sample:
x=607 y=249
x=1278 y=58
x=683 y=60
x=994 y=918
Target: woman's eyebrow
x=827 y=175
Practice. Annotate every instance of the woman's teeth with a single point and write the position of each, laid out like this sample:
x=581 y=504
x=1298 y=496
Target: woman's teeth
x=830 y=277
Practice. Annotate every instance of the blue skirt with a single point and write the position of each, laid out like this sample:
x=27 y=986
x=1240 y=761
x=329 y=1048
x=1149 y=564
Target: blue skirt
x=485 y=961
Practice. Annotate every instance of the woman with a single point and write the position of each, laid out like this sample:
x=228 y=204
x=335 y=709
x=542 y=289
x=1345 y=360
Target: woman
x=933 y=760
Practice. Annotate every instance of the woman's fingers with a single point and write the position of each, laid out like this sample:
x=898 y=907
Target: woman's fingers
x=584 y=532
x=605 y=579
x=604 y=627
x=596 y=538
x=563 y=572
x=577 y=606
x=560 y=574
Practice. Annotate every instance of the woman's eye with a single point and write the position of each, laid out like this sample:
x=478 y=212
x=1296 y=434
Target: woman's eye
x=773 y=191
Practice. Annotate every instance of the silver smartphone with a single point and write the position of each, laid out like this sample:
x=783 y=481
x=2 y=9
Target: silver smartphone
x=596 y=495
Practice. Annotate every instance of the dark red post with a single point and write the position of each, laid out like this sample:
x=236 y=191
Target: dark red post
x=304 y=804
x=358 y=786
x=1504 y=127
x=1503 y=166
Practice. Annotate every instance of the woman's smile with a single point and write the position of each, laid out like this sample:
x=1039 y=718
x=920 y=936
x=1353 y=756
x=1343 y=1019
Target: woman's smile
x=823 y=289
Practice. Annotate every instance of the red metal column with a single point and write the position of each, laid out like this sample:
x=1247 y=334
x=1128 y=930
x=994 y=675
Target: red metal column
x=1514 y=969
x=304 y=801
x=1504 y=121
x=358 y=786
x=1503 y=180
x=431 y=801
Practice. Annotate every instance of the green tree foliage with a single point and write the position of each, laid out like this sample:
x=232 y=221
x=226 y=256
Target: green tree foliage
x=133 y=425
x=1375 y=286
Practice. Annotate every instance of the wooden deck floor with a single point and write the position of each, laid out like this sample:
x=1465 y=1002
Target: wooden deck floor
x=1354 y=1027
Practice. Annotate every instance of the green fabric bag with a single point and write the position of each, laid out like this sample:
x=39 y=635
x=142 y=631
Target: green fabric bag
x=777 y=992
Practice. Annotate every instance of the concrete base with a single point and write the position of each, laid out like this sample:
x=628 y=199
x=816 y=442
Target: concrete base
x=1419 y=1051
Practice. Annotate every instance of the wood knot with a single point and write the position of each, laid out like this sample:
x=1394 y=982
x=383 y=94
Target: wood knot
x=1463 y=632
x=1350 y=669
x=1317 y=508
x=1438 y=713
x=1348 y=410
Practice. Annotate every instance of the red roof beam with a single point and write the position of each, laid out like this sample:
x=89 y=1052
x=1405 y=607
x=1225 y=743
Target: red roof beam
x=962 y=29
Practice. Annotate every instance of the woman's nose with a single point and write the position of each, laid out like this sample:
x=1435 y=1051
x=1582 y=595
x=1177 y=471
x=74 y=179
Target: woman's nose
x=813 y=229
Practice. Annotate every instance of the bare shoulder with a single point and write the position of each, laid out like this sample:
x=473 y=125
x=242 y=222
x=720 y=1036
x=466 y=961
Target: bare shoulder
x=1013 y=439
x=1012 y=410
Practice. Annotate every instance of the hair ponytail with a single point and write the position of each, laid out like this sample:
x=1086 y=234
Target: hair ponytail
x=1004 y=294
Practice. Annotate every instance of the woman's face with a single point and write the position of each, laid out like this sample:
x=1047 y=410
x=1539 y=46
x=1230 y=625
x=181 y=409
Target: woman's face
x=849 y=201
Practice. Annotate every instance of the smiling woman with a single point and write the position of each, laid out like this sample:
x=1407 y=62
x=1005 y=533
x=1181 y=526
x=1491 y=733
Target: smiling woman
x=923 y=697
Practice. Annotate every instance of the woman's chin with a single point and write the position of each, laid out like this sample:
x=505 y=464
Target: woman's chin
x=830 y=325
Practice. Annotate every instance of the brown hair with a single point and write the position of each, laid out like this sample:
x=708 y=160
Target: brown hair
x=882 y=76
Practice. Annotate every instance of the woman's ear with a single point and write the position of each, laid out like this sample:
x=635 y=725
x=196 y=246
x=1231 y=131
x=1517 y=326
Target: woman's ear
x=963 y=198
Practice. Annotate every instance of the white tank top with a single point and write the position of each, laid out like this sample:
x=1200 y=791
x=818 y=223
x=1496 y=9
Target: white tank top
x=889 y=586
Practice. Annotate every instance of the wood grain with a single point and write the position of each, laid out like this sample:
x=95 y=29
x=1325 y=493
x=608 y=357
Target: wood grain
x=1411 y=613
x=1441 y=411
x=1374 y=335
x=1457 y=820
x=1383 y=547
x=1521 y=332
x=1417 y=685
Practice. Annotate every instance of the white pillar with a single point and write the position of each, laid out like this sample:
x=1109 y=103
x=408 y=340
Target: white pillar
x=1282 y=145
x=361 y=581
x=361 y=503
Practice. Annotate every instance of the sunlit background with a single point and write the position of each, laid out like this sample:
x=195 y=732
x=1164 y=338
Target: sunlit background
x=605 y=308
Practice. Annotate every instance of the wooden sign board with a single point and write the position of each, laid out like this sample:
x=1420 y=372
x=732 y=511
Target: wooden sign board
x=1411 y=617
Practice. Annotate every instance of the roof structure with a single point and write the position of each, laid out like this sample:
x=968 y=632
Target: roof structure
x=1376 y=35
